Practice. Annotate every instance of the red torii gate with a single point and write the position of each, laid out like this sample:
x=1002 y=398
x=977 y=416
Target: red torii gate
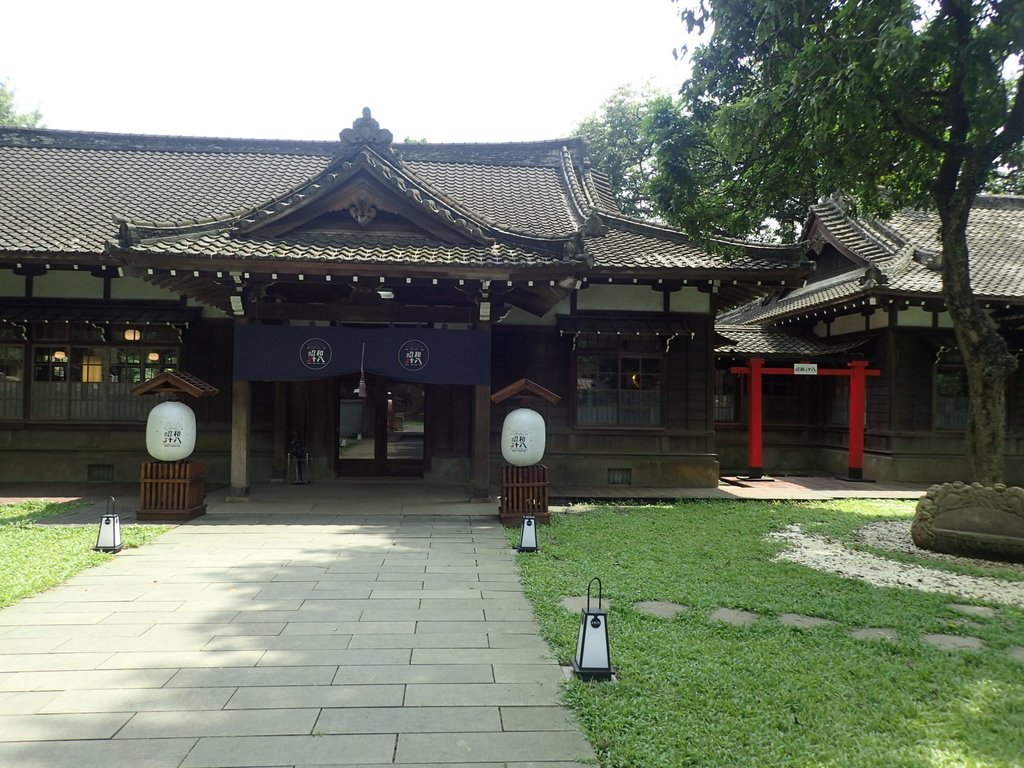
x=857 y=371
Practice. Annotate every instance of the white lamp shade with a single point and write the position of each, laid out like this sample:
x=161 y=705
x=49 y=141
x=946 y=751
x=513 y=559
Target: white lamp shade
x=523 y=437
x=528 y=534
x=171 y=432
x=593 y=653
x=109 y=537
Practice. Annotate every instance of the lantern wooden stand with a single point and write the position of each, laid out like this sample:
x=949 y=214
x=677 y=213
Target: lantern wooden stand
x=524 y=490
x=173 y=491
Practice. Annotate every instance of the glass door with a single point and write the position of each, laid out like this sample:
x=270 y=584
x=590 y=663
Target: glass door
x=380 y=428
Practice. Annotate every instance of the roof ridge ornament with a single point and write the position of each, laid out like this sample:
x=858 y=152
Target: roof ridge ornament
x=366 y=130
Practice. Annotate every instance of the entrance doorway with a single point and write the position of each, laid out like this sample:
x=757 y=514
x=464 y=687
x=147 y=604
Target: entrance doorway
x=381 y=427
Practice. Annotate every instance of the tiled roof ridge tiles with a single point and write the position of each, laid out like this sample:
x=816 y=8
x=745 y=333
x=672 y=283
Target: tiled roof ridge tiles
x=517 y=152
x=581 y=206
x=999 y=202
x=49 y=138
x=791 y=254
x=838 y=223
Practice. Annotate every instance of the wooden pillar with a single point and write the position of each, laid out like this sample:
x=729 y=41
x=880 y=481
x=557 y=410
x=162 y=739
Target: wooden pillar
x=241 y=418
x=754 y=421
x=856 y=440
x=481 y=471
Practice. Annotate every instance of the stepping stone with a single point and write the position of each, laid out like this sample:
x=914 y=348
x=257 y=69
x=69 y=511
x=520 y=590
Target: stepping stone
x=735 y=617
x=965 y=623
x=980 y=611
x=1017 y=653
x=954 y=642
x=660 y=608
x=577 y=604
x=804 y=622
x=875 y=633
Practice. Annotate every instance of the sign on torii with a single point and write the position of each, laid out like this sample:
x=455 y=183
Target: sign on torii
x=857 y=370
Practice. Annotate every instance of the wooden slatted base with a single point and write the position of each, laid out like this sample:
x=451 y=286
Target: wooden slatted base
x=524 y=491
x=172 y=492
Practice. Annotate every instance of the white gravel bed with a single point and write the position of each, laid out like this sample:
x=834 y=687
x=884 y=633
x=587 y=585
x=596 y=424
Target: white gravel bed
x=830 y=556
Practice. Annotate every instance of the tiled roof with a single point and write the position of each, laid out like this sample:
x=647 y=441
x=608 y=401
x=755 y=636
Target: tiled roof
x=526 y=205
x=629 y=244
x=755 y=340
x=324 y=247
x=60 y=192
x=901 y=249
x=63 y=199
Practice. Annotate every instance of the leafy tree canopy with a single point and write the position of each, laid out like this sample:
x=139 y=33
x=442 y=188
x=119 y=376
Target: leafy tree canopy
x=10 y=117
x=894 y=103
x=621 y=147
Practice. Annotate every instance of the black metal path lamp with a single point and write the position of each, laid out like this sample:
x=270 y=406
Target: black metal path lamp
x=109 y=537
x=528 y=534
x=593 y=654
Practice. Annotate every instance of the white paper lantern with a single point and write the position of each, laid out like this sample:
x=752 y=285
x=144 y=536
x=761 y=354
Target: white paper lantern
x=171 y=432
x=522 y=437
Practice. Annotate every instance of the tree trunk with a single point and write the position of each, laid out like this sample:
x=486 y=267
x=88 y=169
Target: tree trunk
x=987 y=360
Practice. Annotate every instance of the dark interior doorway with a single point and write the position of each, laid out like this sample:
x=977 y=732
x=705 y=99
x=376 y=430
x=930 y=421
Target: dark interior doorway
x=381 y=427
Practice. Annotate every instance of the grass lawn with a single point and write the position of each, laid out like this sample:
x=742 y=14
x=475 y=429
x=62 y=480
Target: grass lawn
x=693 y=691
x=34 y=558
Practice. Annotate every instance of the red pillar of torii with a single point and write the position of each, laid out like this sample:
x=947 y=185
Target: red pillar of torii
x=858 y=371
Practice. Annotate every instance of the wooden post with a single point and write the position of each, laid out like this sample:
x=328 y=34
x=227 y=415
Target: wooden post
x=279 y=461
x=241 y=417
x=856 y=450
x=755 y=458
x=481 y=471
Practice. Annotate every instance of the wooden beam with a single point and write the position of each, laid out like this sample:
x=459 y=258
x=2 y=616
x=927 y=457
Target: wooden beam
x=372 y=313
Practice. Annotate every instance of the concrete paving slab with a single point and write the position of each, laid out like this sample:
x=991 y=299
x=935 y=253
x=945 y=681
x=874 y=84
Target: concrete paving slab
x=86 y=680
x=411 y=641
x=481 y=694
x=241 y=676
x=24 y=702
x=138 y=700
x=528 y=673
x=505 y=656
x=414 y=673
x=43 y=662
x=461 y=747
x=304 y=696
x=261 y=751
x=409 y=720
x=137 y=753
x=343 y=657
x=264 y=722
x=537 y=719
x=41 y=727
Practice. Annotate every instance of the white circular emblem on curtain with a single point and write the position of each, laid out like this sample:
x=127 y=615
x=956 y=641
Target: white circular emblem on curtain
x=413 y=355
x=315 y=354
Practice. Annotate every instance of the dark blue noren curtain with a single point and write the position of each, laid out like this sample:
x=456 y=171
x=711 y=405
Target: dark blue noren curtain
x=426 y=355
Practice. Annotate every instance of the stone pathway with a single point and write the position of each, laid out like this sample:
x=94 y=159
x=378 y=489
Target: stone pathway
x=740 y=618
x=326 y=641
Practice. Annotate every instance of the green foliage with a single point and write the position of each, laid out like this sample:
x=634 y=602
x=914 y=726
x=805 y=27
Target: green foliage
x=9 y=116
x=893 y=103
x=34 y=558
x=621 y=147
x=692 y=691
